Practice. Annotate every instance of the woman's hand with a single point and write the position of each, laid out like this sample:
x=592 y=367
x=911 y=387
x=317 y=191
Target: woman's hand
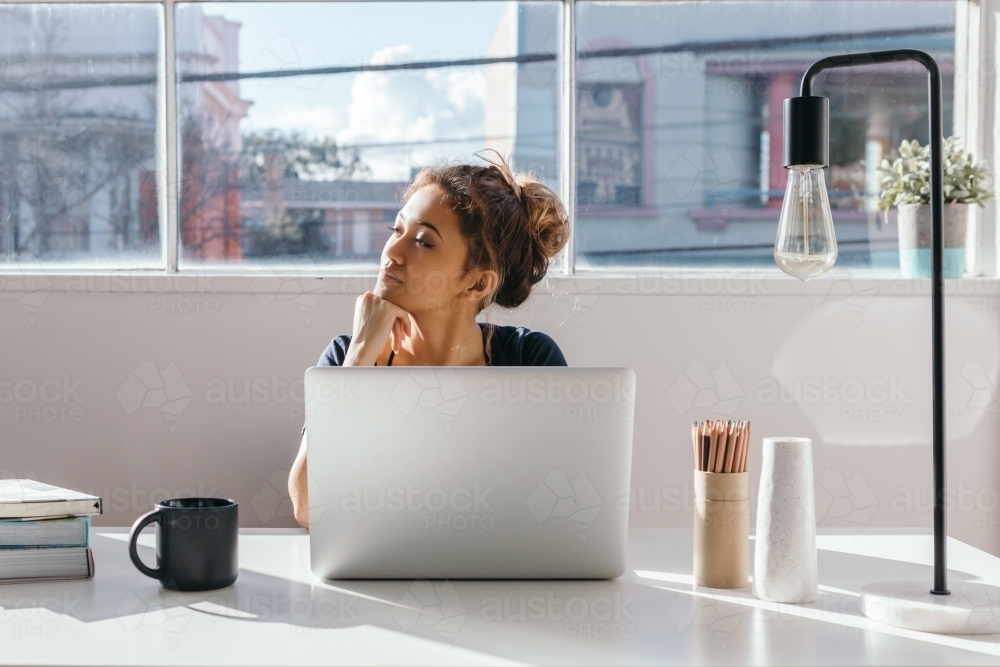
x=376 y=322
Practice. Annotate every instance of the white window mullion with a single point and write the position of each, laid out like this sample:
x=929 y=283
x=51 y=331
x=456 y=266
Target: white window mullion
x=973 y=121
x=567 y=144
x=986 y=94
x=169 y=180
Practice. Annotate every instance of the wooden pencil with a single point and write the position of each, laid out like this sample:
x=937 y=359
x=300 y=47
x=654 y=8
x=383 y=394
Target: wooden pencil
x=749 y=443
x=713 y=436
x=739 y=448
x=734 y=438
x=746 y=449
x=728 y=435
x=738 y=460
x=720 y=465
x=694 y=442
x=701 y=445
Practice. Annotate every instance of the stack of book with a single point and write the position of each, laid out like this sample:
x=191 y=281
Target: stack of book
x=44 y=532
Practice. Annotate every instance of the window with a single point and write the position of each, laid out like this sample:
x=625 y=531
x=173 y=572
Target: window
x=78 y=135
x=291 y=128
x=678 y=123
x=301 y=123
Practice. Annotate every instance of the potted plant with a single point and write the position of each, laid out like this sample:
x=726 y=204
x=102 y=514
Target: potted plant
x=906 y=185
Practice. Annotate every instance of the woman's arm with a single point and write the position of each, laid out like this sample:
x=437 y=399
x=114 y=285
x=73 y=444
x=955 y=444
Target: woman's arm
x=298 y=489
x=377 y=323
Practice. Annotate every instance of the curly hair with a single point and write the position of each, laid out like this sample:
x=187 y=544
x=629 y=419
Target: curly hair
x=513 y=224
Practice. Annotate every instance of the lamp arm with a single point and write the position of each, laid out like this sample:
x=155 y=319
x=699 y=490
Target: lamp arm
x=935 y=138
x=869 y=58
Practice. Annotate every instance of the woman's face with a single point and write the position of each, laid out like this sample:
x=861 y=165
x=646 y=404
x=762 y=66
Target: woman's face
x=423 y=262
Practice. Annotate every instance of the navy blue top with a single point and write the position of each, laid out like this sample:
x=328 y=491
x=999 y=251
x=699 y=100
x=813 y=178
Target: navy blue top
x=511 y=346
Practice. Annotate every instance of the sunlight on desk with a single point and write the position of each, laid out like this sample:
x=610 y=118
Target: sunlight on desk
x=278 y=613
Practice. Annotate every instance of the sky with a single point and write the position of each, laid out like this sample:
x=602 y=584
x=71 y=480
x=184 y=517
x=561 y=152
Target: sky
x=370 y=107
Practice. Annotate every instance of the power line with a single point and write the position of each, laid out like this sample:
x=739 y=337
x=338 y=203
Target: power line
x=522 y=59
x=714 y=248
x=694 y=46
x=765 y=43
x=752 y=120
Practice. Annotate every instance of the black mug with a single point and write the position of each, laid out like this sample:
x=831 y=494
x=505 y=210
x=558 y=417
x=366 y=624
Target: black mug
x=196 y=543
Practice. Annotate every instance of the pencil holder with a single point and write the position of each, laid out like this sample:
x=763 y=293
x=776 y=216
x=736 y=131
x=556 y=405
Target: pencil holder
x=721 y=529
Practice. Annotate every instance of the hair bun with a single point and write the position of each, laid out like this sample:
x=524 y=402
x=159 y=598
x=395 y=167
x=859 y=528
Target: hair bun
x=545 y=229
x=548 y=223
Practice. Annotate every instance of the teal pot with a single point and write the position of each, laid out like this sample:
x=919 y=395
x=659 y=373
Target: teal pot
x=914 y=222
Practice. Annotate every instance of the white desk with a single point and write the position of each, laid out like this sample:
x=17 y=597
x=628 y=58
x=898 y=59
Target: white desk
x=276 y=613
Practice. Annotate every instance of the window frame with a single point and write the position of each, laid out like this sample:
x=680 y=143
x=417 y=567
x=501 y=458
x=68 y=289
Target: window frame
x=976 y=99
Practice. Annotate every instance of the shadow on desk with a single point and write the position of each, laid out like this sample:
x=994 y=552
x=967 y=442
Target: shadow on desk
x=648 y=615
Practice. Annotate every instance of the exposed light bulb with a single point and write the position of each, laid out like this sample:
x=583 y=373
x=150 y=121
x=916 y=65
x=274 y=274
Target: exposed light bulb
x=806 y=245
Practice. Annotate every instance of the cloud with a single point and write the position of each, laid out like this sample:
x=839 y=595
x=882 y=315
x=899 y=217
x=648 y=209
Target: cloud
x=413 y=106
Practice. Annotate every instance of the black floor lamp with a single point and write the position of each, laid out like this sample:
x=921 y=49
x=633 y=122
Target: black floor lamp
x=806 y=247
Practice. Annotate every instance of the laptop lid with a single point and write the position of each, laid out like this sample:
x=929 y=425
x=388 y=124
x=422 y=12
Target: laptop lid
x=469 y=472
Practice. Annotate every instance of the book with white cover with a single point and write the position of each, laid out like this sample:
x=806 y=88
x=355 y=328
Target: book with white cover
x=18 y=566
x=67 y=531
x=26 y=498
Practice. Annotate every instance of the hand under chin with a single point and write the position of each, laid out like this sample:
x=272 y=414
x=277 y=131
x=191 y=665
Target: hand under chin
x=395 y=295
x=382 y=290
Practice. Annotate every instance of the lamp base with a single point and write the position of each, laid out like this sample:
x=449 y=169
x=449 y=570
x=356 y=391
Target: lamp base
x=973 y=608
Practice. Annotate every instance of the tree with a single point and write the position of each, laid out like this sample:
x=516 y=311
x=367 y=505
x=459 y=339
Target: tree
x=69 y=159
x=272 y=159
x=304 y=159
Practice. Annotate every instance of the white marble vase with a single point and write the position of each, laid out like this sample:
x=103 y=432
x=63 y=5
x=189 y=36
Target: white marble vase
x=784 y=568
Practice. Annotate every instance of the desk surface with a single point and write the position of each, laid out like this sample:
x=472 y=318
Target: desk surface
x=277 y=613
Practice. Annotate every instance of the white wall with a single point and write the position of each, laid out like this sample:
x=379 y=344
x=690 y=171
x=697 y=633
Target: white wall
x=68 y=347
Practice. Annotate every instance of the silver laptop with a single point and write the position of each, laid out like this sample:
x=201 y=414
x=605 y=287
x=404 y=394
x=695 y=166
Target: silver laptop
x=469 y=472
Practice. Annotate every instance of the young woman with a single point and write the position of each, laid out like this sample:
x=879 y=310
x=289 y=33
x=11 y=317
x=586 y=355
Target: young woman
x=468 y=236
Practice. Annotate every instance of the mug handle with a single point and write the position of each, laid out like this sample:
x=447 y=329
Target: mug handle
x=144 y=520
